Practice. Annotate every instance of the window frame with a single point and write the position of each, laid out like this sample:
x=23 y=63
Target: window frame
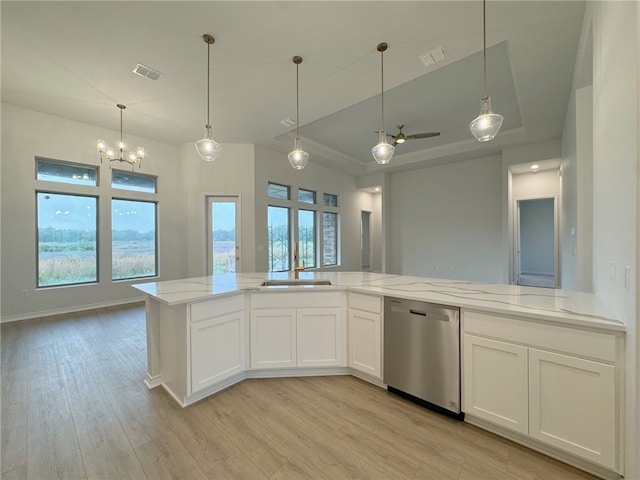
x=37 y=240
x=155 y=240
x=64 y=163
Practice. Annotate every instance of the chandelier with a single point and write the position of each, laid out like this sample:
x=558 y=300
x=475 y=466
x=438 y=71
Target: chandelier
x=120 y=154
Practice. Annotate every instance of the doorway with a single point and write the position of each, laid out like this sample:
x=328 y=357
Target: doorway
x=365 y=243
x=223 y=234
x=536 y=242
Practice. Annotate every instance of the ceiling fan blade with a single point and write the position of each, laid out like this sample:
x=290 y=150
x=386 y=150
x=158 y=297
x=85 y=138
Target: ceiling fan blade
x=422 y=135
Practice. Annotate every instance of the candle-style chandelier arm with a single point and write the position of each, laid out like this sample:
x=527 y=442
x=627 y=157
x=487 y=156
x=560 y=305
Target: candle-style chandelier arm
x=120 y=154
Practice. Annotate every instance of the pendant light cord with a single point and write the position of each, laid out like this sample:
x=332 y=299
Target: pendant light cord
x=484 y=48
x=208 y=83
x=297 y=102
x=382 y=87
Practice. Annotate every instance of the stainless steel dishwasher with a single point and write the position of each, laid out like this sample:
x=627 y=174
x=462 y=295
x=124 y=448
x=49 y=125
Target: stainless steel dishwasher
x=422 y=353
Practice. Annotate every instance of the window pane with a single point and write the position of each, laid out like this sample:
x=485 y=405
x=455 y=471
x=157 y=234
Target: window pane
x=307 y=238
x=223 y=236
x=66 y=173
x=133 y=239
x=278 y=238
x=67 y=226
x=278 y=191
x=329 y=238
x=330 y=200
x=306 y=196
x=133 y=181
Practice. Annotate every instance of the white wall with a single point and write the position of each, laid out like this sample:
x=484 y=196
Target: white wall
x=446 y=221
x=274 y=166
x=577 y=188
x=616 y=46
x=232 y=173
x=26 y=134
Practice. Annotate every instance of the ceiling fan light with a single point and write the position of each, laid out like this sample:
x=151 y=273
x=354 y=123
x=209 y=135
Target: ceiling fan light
x=207 y=148
x=298 y=158
x=486 y=125
x=383 y=151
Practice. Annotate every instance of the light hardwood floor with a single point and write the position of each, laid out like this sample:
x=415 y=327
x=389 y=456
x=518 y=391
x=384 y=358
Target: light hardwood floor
x=74 y=406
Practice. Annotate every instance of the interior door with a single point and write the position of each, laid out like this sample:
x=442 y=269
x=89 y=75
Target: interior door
x=223 y=234
x=536 y=242
x=366 y=241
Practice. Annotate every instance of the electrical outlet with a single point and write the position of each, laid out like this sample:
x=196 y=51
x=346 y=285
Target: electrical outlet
x=25 y=292
x=627 y=277
x=613 y=271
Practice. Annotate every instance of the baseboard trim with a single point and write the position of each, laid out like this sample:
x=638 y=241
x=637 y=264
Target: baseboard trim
x=533 y=444
x=74 y=309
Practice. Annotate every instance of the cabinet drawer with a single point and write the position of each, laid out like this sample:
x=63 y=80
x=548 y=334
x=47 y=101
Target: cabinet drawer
x=296 y=299
x=365 y=303
x=575 y=341
x=215 y=308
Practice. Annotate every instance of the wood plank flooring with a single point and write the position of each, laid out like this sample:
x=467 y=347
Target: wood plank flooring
x=74 y=406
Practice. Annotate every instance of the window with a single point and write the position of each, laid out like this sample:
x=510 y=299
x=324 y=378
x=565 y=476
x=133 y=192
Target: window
x=329 y=239
x=133 y=181
x=278 y=191
x=307 y=238
x=293 y=215
x=62 y=172
x=306 y=196
x=67 y=245
x=133 y=239
x=278 y=238
x=330 y=200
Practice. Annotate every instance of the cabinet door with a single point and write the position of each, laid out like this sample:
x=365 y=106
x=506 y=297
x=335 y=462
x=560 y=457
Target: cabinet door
x=572 y=405
x=495 y=382
x=320 y=337
x=365 y=342
x=273 y=338
x=217 y=350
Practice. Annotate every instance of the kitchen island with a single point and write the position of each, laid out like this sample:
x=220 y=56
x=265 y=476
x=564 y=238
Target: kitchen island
x=530 y=356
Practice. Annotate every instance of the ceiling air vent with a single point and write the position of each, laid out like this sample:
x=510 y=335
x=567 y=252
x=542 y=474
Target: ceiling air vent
x=433 y=56
x=287 y=122
x=147 y=72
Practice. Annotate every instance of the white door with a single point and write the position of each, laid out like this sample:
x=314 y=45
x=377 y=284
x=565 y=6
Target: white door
x=573 y=405
x=273 y=338
x=223 y=234
x=495 y=382
x=320 y=337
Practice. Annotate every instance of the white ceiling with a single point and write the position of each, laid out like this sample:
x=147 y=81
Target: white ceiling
x=75 y=59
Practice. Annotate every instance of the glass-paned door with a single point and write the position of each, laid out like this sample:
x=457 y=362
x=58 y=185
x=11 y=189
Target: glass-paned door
x=223 y=234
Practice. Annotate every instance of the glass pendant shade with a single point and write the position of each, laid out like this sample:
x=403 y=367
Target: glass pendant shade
x=486 y=125
x=207 y=148
x=383 y=151
x=298 y=158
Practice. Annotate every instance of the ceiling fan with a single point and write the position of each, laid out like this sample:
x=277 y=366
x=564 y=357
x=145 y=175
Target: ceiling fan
x=400 y=137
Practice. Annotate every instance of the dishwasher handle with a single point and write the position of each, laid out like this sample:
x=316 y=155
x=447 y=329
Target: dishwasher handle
x=417 y=312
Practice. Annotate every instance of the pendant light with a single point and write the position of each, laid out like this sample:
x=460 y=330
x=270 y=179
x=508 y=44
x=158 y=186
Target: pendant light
x=486 y=125
x=208 y=148
x=383 y=151
x=120 y=154
x=298 y=158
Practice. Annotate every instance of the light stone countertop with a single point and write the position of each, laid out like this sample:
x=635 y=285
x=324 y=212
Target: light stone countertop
x=558 y=306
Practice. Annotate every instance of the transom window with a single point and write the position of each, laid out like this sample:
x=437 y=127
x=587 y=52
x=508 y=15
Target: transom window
x=63 y=172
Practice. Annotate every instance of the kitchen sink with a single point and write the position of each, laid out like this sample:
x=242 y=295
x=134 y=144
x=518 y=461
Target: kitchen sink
x=292 y=282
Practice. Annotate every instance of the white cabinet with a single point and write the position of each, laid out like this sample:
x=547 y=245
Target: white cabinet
x=365 y=334
x=554 y=384
x=319 y=337
x=308 y=333
x=217 y=341
x=273 y=338
x=496 y=386
x=573 y=405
